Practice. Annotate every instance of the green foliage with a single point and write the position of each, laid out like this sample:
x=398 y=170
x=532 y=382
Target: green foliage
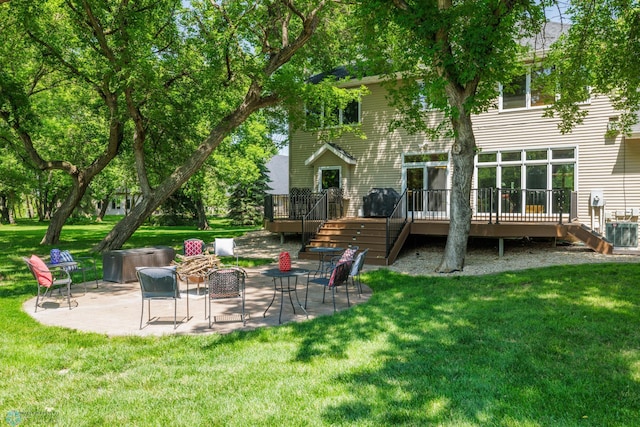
x=598 y=54
x=246 y=204
x=466 y=47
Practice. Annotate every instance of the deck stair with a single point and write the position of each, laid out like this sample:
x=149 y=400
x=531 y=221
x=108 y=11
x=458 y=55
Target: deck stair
x=347 y=232
x=591 y=238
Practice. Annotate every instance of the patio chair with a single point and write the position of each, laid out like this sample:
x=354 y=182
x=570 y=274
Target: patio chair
x=339 y=276
x=81 y=264
x=225 y=247
x=158 y=283
x=356 y=268
x=48 y=278
x=347 y=255
x=193 y=247
x=224 y=284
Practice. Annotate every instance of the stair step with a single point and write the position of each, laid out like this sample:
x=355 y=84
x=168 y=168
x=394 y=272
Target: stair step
x=361 y=232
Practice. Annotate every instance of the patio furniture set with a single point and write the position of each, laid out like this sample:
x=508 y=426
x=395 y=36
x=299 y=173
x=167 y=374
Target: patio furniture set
x=200 y=264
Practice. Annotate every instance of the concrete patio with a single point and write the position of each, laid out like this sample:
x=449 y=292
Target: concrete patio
x=114 y=308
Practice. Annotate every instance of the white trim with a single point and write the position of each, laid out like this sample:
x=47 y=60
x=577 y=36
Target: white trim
x=328 y=147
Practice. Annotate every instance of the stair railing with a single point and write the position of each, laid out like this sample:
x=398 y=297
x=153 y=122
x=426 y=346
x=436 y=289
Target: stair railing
x=396 y=222
x=314 y=219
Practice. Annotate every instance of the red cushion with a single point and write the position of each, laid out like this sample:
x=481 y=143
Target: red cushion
x=41 y=271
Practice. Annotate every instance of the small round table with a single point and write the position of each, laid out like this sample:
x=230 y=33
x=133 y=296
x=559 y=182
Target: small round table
x=275 y=273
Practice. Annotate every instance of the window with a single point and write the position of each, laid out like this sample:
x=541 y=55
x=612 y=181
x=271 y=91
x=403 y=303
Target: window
x=423 y=100
x=424 y=158
x=329 y=177
x=318 y=117
x=535 y=170
x=526 y=91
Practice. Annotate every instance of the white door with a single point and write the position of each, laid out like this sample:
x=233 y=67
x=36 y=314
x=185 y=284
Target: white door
x=426 y=190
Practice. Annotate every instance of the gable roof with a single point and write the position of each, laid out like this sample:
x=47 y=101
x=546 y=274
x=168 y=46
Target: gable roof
x=332 y=148
x=550 y=33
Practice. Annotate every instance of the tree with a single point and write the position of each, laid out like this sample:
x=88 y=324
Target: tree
x=238 y=58
x=13 y=184
x=247 y=199
x=184 y=76
x=598 y=56
x=61 y=109
x=453 y=54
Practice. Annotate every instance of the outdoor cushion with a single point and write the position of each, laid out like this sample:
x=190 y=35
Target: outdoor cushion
x=224 y=247
x=65 y=256
x=41 y=271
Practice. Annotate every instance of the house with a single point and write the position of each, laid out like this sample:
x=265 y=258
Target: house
x=529 y=179
x=278 y=173
x=120 y=202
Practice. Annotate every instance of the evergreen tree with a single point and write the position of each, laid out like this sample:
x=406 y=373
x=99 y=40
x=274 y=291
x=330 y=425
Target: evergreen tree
x=246 y=204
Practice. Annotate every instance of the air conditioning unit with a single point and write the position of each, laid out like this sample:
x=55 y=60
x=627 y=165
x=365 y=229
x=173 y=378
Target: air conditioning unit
x=622 y=234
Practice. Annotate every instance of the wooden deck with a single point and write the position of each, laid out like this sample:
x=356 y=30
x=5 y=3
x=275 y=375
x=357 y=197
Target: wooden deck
x=369 y=232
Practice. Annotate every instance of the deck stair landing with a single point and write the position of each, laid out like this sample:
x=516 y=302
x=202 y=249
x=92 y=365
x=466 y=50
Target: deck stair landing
x=347 y=232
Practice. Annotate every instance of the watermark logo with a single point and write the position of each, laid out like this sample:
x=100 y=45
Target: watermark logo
x=14 y=418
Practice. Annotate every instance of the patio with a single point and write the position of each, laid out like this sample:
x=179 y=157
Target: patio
x=114 y=308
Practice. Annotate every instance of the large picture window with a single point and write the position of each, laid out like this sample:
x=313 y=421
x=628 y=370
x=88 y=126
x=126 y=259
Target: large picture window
x=525 y=179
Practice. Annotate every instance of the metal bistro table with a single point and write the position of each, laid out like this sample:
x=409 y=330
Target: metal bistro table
x=323 y=252
x=275 y=273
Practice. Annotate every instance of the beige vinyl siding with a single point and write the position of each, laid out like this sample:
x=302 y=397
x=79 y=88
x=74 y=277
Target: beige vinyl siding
x=600 y=160
x=609 y=164
x=379 y=156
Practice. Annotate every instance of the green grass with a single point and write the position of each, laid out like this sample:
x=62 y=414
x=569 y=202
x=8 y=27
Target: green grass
x=556 y=346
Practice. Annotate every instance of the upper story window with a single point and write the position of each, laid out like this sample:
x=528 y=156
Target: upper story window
x=525 y=91
x=321 y=117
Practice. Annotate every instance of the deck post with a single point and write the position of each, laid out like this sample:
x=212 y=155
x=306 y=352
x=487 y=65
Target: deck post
x=501 y=247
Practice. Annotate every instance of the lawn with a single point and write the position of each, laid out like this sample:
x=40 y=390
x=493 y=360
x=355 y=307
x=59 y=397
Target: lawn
x=543 y=347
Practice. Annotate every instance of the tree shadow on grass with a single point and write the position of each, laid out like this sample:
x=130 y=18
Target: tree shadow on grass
x=548 y=347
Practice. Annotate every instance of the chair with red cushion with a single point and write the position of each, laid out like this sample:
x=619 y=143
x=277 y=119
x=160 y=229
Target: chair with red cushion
x=48 y=279
x=193 y=247
x=339 y=276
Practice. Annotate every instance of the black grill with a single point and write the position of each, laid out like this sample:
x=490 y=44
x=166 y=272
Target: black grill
x=379 y=202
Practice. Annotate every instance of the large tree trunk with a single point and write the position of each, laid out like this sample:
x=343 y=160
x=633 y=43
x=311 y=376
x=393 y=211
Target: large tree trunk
x=52 y=236
x=201 y=215
x=4 y=209
x=125 y=228
x=103 y=207
x=462 y=154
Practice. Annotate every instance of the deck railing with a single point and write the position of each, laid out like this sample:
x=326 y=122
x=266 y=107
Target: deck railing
x=493 y=205
x=289 y=206
x=497 y=205
x=396 y=222
x=313 y=220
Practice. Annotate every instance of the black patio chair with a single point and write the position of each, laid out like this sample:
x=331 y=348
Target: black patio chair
x=339 y=276
x=225 y=284
x=158 y=283
x=356 y=268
